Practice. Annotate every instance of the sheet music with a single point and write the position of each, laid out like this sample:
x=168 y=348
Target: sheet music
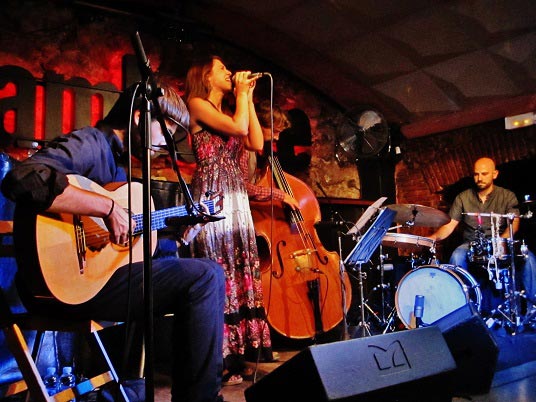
x=362 y=221
x=370 y=241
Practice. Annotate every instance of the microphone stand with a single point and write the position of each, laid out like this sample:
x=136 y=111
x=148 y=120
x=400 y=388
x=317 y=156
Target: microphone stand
x=150 y=94
x=147 y=255
x=345 y=334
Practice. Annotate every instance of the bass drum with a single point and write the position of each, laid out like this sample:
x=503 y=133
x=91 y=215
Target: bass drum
x=445 y=288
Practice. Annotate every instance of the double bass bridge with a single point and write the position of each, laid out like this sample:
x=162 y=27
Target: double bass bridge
x=304 y=260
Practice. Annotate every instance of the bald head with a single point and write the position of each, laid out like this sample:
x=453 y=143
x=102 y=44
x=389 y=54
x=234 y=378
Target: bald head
x=485 y=163
x=484 y=172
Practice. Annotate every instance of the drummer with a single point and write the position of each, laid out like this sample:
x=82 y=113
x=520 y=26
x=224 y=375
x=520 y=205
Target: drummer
x=486 y=198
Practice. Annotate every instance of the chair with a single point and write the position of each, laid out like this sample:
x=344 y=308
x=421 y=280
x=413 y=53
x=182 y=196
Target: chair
x=12 y=325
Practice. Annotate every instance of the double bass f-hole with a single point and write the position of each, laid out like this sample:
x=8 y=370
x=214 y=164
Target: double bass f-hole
x=279 y=274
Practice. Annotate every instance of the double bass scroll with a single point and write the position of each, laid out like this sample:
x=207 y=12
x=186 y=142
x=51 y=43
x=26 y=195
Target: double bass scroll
x=301 y=280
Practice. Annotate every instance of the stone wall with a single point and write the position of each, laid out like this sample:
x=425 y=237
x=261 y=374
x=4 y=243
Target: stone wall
x=52 y=40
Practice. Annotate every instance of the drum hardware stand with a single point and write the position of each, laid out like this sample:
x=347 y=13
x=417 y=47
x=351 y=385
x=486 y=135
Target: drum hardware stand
x=530 y=318
x=381 y=318
x=510 y=310
x=382 y=284
x=362 y=252
x=363 y=325
x=389 y=326
x=433 y=259
x=383 y=322
x=413 y=260
x=345 y=334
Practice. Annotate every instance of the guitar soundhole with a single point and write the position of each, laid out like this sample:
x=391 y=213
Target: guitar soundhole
x=96 y=238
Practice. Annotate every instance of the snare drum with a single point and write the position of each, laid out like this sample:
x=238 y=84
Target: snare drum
x=445 y=288
x=406 y=241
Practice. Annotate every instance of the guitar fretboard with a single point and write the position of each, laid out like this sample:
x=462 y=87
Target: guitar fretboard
x=158 y=218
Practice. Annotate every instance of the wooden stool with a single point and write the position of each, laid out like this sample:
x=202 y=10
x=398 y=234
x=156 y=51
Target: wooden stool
x=12 y=324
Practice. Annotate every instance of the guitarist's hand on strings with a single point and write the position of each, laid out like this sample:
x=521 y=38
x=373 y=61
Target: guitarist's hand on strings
x=192 y=230
x=117 y=221
x=79 y=201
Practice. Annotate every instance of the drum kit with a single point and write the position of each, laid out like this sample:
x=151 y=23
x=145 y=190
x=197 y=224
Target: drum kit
x=498 y=256
x=430 y=290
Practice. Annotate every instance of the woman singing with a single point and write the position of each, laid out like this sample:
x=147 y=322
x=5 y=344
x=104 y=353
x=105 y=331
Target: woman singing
x=218 y=139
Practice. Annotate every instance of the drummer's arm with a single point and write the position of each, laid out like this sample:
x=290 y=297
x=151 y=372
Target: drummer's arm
x=444 y=231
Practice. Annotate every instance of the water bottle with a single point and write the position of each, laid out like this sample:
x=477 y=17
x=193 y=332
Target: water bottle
x=67 y=379
x=51 y=380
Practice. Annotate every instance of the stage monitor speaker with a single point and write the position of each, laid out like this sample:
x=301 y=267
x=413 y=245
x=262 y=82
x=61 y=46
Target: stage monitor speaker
x=408 y=366
x=473 y=348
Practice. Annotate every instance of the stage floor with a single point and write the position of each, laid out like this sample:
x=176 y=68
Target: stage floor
x=514 y=379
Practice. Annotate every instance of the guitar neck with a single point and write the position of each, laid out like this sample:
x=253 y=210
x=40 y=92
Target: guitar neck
x=158 y=218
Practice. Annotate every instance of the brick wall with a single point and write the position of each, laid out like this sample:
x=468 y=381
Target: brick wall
x=431 y=165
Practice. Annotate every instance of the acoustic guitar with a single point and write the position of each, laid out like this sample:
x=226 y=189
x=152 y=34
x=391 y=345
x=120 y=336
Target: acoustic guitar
x=73 y=253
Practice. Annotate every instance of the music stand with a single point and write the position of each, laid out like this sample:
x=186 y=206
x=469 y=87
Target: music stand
x=364 y=249
x=363 y=219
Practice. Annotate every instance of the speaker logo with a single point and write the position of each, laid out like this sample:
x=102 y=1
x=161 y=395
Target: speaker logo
x=390 y=360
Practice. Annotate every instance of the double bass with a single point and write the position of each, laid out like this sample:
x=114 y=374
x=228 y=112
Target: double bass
x=303 y=283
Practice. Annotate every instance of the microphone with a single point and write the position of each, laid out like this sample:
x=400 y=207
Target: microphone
x=253 y=76
x=418 y=310
x=191 y=219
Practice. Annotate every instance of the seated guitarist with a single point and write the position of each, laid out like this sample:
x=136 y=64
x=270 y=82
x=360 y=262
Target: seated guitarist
x=191 y=289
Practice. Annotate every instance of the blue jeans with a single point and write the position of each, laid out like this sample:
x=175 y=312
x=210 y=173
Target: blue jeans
x=459 y=256
x=193 y=290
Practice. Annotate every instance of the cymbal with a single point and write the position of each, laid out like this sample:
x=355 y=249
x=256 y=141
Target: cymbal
x=419 y=215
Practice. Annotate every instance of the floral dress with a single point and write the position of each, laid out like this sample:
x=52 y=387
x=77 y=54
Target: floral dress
x=231 y=242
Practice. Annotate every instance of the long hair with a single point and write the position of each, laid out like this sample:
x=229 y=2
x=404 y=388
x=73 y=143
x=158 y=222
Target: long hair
x=197 y=85
x=264 y=112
